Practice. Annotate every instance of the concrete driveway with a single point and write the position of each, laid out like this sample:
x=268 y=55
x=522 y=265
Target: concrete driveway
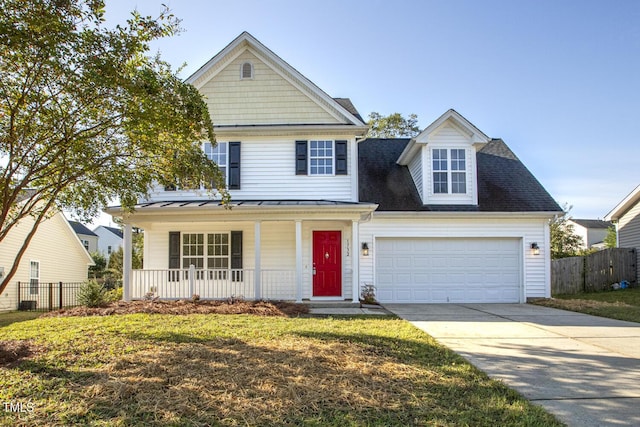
x=584 y=369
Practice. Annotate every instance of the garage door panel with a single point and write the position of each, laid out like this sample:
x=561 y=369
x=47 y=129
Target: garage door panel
x=448 y=270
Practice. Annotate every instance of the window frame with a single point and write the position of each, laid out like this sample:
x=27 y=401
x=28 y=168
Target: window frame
x=242 y=77
x=208 y=244
x=311 y=158
x=34 y=281
x=454 y=169
x=211 y=156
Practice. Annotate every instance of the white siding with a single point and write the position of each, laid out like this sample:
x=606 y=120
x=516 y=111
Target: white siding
x=105 y=239
x=536 y=274
x=55 y=246
x=415 y=168
x=450 y=137
x=629 y=231
x=268 y=98
x=267 y=170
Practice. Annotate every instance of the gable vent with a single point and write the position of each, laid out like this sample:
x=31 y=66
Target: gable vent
x=246 y=71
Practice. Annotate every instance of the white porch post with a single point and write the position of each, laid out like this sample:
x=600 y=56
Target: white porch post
x=355 y=260
x=127 y=245
x=298 y=260
x=258 y=273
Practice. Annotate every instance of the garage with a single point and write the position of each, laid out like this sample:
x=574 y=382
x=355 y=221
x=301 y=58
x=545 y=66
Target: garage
x=448 y=270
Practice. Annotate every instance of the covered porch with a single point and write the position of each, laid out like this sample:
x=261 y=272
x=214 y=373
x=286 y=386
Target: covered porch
x=278 y=250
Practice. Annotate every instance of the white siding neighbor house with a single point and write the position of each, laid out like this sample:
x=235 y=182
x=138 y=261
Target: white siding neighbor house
x=318 y=210
x=626 y=217
x=591 y=231
x=55 y=254
x=88 y=238
x=109 y=239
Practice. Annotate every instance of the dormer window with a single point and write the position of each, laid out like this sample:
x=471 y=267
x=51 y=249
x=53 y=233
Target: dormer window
x=246 y=71
x=449 y=171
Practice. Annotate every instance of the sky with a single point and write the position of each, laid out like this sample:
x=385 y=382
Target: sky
x=557 y=80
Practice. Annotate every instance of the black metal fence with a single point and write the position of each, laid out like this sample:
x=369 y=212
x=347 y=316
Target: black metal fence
x=37 y=296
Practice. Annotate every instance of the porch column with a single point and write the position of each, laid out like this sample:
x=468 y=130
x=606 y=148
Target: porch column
x=258 y=272
x=298 y=260
x=127 y=245
x=355 y=260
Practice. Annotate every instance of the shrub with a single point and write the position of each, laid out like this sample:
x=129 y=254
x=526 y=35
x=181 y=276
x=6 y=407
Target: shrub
x=92 y=294
x=114 y=295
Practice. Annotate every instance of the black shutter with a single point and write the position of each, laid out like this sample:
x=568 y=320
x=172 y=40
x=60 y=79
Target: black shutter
x=341 y=157
x=174 y=255
x=174 y=249
x=234 y=165
x=236 y=255
x=301 y=157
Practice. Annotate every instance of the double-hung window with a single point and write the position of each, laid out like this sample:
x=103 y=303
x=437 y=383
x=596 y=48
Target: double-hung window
x=449 y=171
x=321 y=157
x=212 y=250
x=220 y=155
x=34 y=277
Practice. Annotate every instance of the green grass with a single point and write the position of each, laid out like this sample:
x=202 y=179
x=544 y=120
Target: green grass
x=229 y=370
x=622 y=304
x=17 y=316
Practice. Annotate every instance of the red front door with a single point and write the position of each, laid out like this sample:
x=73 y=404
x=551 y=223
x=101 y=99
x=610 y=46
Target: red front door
x=327 y=264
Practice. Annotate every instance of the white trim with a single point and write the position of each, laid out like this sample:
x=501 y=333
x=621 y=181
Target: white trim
x=251 y=72
x=299 y=272
x=127 y=247
x=626 y=204
x=333 y=157
x=257 y=252
x=355 y=261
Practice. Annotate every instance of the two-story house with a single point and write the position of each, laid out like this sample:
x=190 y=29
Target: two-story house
x=317 y=211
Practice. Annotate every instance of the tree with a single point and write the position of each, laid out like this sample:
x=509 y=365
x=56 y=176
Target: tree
x=392 y=126
x=564 y=242
x=611 y=239
x=87 y=116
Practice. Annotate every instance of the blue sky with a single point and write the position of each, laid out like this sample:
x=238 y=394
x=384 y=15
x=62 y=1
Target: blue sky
x=559 y=81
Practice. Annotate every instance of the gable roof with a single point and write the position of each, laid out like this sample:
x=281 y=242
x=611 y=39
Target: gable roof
x=451 y=115
x=116 y=231
x=504 y=183
x=627 y=203
x=592 y=223
x=81 y=229
x=341 y=108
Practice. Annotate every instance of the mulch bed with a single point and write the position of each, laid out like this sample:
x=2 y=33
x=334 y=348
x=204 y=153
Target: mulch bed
x=261 y=308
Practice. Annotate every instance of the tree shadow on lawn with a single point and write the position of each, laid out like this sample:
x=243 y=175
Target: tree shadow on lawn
x=309 y=378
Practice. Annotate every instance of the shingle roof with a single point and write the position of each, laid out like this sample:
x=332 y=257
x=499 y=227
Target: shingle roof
x=348 y=105
x=592 y=223
x=504 y=183
x=81 y=229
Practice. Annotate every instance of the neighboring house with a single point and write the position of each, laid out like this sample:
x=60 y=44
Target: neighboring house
x=109 y=239
x=88 y=238
x=626 y=217
x=55 y=254
x=591 y=231
x=448 y=216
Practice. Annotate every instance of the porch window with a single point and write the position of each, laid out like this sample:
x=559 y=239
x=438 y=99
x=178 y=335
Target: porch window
x=218 y=254
x=192 y=250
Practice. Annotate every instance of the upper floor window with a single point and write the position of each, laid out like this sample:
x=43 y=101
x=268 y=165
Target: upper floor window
x=85 y=243
x=321 y=157
x=246 y=71
x=449 y=171
x=219 y=154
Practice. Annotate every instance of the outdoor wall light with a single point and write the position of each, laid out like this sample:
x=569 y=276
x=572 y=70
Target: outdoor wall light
x=365 y=249
x=535 y=249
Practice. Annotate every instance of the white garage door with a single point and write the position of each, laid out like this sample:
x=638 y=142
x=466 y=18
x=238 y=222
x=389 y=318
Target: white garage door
x=423 y=270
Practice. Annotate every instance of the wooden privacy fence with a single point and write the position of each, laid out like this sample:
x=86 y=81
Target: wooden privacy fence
x=594 y=272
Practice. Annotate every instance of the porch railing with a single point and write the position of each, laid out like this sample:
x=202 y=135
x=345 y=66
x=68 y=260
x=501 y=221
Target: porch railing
x=213 y=284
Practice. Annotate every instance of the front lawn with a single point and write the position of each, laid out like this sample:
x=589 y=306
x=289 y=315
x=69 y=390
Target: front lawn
x=229 y=370
x=623 y=304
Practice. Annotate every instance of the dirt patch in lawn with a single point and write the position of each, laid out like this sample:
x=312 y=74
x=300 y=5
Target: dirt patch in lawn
x=14 y=351
x=261 y=308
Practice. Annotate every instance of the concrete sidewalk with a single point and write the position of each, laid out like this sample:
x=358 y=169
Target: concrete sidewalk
x=584 y=369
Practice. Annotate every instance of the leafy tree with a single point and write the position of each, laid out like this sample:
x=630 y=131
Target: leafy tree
x=87 y=116
x=564 y=241
x=611 y=239
x=96 y=271
x=392 y=126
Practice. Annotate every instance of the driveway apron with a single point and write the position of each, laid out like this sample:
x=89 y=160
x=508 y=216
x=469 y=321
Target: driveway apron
x=584 y=369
